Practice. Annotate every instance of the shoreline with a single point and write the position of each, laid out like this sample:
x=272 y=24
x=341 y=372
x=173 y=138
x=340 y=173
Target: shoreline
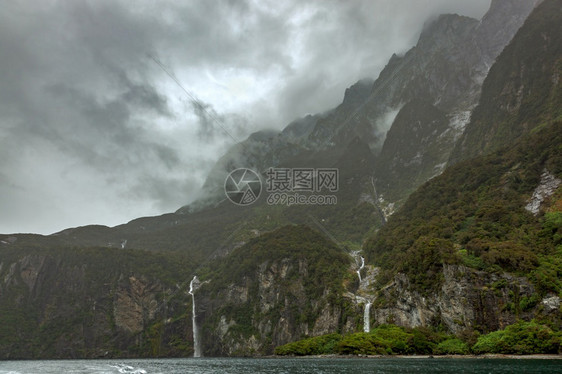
x=484 y=356
x=494 y=356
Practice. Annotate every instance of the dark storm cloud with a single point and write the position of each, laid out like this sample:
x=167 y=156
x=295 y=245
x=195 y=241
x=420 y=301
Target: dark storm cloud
x=94 y=131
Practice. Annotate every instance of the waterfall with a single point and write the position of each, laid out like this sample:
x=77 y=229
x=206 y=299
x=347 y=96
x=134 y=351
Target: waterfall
x=361 y=268
x=196 y=342
x=366 y=317
x=363 y=291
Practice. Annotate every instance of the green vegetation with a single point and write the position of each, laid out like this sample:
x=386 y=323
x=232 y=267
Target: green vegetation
x=275 y=276
x=325 y=262
x=60 y=302
x=452 y=346
x=382 y=340
x=319 y=345
x=474 y=214
x=520 y=338
x=387 y=339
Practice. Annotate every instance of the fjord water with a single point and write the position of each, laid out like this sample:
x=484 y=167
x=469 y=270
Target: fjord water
x=284 y=366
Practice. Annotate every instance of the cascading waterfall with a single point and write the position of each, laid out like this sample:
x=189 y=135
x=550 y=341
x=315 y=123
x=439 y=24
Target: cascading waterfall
x=196 y=341
x=361 y=268
x=363 y=291
x=367 y=317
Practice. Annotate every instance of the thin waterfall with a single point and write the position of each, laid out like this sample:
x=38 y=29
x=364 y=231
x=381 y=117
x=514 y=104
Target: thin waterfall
x=196 y=341
x=367 y=317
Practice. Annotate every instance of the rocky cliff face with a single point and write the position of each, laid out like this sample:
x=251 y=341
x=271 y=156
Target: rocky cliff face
x=58 y=304
x=415 y=149
x=267 y=309
x=274 y=290
x=468 y=299
x=446 y=69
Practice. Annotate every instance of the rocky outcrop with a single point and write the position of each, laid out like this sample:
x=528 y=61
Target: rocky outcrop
x=467 y=299
x=548 y=185
x=135 y=304
x=416 y=148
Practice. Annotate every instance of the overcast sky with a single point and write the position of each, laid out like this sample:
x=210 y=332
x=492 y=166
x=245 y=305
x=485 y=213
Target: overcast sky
x=94 y=131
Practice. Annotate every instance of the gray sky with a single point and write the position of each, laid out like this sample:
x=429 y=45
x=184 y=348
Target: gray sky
x=93 y=131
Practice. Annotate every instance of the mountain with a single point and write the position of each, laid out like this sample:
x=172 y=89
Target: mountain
x=480 y=233
x=479 y=246
x=445 y=69
x=416 y=149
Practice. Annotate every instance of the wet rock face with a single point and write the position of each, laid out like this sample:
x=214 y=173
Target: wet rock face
x=135 y=304
x=467 y=299
x=548 y=185
x=30 y=267
x=266 y=309
x=71 y=308
x=521 y=90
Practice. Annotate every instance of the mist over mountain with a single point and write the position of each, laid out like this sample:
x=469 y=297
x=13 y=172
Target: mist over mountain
x=86 y=110
x=442 y=234
x=445 y=69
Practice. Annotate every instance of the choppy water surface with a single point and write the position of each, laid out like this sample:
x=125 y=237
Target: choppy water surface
x=284 y=366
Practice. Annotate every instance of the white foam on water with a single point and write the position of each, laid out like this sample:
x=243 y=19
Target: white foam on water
x=123 y=368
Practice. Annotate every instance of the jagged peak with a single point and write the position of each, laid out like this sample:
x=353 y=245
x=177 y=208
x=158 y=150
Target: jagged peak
x=358 y=91
x=262 y=135
x=445 y=25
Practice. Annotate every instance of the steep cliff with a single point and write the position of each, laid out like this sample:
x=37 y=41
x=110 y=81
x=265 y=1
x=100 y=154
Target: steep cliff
x=273 y=290
x=65 y=303
x=523 y=89
x=415 y=149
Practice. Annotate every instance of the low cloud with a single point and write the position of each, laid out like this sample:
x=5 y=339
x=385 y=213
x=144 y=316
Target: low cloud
x=94 y=131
